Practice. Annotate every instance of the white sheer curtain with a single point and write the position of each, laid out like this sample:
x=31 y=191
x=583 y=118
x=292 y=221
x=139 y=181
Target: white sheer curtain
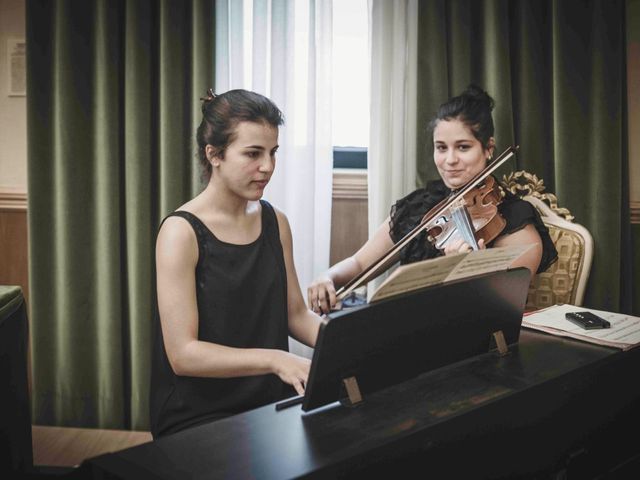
x=282 y=49
x=392 y=151
x=392 y=148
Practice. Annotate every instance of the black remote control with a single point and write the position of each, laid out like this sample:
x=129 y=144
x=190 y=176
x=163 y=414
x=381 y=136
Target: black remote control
x=587 y=320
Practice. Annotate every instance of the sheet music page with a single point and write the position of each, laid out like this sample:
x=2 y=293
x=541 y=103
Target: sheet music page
x=407 y=278
x=410 y=277
x=624 y=332
x=488 y=260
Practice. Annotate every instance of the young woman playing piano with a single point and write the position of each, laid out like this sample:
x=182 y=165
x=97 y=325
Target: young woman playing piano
x=228 y=293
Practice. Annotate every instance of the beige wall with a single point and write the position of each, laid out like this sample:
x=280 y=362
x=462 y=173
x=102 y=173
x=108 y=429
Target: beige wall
x=13 y=110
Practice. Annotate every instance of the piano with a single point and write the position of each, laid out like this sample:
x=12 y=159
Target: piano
x=551 y=407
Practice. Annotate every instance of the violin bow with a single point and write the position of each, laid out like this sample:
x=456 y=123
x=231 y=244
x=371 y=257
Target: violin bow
x=391 y=256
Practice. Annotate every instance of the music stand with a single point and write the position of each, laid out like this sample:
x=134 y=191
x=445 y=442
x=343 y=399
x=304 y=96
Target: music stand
x=367 y=348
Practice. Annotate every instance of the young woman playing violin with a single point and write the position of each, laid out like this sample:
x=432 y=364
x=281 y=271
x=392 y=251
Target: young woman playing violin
x=463 y=143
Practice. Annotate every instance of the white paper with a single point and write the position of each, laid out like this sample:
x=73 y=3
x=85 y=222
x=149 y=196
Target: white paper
x=17 y=63
x=487 y=260
x=624 y=332
x=447 y=268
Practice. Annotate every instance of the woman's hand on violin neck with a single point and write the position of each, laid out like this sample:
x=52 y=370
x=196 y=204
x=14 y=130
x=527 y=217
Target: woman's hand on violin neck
x=460 y=246
x=321 y=295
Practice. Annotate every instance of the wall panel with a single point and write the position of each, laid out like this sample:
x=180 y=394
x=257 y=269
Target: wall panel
x=349 y=224
x=14 y=246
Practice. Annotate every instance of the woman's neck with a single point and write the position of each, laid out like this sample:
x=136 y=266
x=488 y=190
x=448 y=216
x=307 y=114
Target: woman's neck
x=231 y=219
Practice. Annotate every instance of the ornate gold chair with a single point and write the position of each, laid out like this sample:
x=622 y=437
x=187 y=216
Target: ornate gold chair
x=565 y=280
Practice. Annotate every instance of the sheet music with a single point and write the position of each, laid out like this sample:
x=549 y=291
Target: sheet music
x=624 y=332
x=488 y=260
x=444 y=269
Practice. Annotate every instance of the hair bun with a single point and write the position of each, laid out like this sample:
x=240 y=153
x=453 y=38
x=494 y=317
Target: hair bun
x=474 y=92
x=209 y=98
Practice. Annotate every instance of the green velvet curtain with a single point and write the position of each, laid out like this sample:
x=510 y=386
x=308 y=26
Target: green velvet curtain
x=112 y=106
x=557 y=70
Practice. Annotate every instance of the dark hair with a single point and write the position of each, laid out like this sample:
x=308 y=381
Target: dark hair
x=221 y=115
x=473 y=108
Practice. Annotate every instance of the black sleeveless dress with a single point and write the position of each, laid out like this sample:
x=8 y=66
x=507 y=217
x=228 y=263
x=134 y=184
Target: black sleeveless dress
x=242 y=302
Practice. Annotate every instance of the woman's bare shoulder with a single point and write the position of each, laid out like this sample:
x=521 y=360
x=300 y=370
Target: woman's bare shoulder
x=176 y=237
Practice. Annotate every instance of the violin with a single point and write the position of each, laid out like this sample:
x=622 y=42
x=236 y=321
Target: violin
x=470 y=213
x=471 y=217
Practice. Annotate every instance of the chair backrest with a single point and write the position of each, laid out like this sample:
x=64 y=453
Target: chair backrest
x=565 y=280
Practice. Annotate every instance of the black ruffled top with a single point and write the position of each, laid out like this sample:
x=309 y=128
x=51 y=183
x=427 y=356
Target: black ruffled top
x=408 y=212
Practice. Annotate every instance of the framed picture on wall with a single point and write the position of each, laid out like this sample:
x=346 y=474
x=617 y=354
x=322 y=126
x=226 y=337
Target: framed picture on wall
x=17 y=67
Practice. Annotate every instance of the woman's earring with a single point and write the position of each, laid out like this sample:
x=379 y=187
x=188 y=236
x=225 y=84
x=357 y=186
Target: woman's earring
x=214 y=160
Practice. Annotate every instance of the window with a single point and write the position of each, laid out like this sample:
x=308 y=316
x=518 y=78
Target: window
x=350 y=83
